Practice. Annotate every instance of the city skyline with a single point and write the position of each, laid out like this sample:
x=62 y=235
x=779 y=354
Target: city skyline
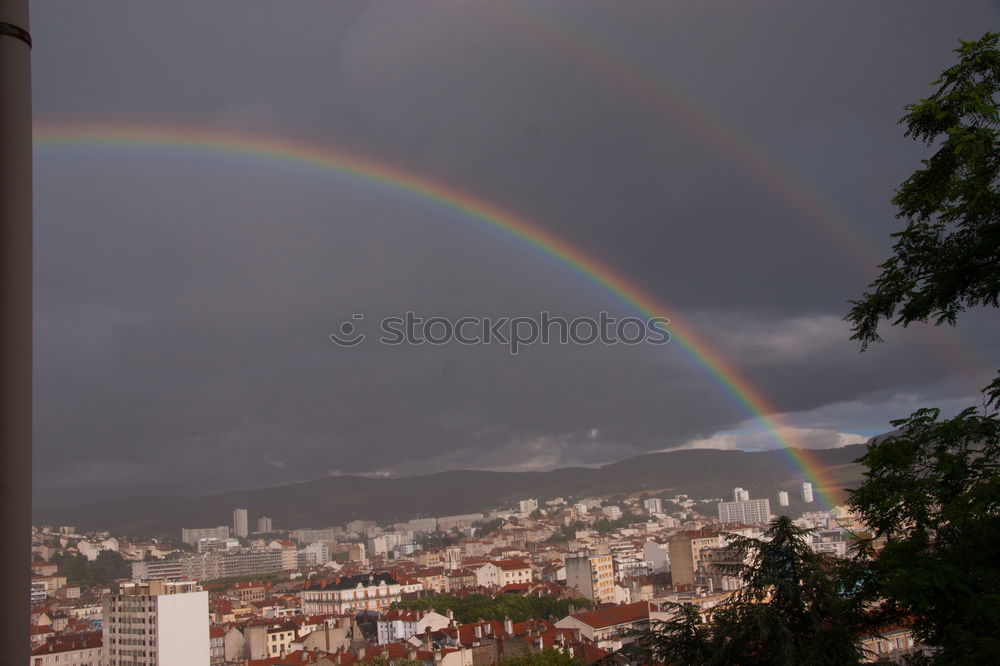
x=501 y=332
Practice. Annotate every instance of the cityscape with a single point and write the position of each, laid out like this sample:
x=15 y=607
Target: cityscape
x=500 y=332
x=586 y=571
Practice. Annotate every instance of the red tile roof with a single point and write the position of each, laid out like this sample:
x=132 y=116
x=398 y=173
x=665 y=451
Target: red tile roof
x=69 y=643
x=400 y=615
x=609 y=616
x=512 y=565
x=399 y=650
x=466 y=633
x=295 y=658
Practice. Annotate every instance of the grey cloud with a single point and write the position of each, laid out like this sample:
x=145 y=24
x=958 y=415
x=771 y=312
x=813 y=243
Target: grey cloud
x=183 y=299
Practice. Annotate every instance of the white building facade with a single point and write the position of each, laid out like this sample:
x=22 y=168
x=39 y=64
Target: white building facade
x=749 y=511
x=350 y=594
x=190 y=535
x=240 y=526
x=157 y=623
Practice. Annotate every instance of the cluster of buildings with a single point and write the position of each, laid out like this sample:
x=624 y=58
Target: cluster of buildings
x=222 y=596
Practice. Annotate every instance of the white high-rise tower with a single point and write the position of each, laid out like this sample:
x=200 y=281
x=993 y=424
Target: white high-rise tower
x=782 y=498
x=156 y=623
x=240 y=527
x=807 y=492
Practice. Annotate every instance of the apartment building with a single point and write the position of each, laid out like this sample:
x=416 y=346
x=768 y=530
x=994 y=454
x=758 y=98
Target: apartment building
x=593 y=575
x=190 y=535
x=156 y=623
x=85 y=649
x=745 y=511
x=685 y=553
x=350 y=594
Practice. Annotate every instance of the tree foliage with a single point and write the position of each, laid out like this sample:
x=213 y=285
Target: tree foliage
x=607 y=525
x=567 y=532
x=439 y=539
x=932 y=492
x=683 y=639
x=547 y=657
x=489 y=527
x=108 y=566
x=792 y=609
x=947 y=259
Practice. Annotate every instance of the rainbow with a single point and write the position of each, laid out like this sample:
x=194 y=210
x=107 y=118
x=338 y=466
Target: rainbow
x=696 y=118
x=280 y=150
x=736 y=147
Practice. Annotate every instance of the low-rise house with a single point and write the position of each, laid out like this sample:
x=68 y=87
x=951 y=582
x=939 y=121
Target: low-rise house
x=44 y=569
x=503 y=572
x=458 y=579
x=891 y=644
x=431 y=578
x=51 y=583
x=398 y=625
x=73 y=650
x=609 y=626
x=334 y=634
x=249 y=591
x=272 y=639
x=217 y=645
x=40 y=633
x=234 y=643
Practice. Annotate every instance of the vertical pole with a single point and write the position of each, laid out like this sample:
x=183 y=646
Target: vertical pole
x=15 y=329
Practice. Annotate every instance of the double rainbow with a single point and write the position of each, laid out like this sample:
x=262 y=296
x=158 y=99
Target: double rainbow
x=279 y=150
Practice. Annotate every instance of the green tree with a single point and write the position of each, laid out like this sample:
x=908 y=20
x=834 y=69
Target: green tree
x=567 y=532
x=439 y=539
x=74 y=567
x=932 y=490
x=488 y=527
x=792 y=609
x=108 y=566
x=547 y=657
x=683 y=639
x=947 y=259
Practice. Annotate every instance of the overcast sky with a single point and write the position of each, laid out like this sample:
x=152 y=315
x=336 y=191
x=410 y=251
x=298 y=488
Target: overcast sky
x=733 y=159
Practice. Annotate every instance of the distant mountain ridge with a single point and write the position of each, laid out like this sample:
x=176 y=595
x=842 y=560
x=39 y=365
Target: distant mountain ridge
x=700 y=473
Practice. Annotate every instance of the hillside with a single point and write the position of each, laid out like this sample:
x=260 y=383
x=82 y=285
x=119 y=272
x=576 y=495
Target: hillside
x=336 y=500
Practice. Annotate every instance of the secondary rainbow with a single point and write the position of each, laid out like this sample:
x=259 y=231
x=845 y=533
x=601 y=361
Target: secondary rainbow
x=281 y=150
x=682 y=109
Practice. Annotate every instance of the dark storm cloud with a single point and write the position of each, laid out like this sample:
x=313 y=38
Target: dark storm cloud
x=184 y=301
